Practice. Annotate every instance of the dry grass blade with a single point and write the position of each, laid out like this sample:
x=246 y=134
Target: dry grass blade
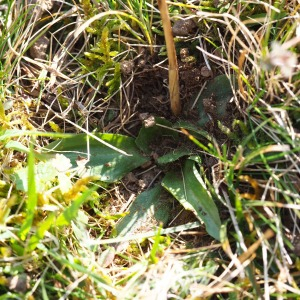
x=245 y=258
x=173 y=67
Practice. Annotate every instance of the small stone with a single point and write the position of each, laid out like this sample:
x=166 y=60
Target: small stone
x=184 y=53
x=183 y=27
x=127 y=67
x=19 y=283
x=141 y=63
x=205 y=72
x=39 y=49
x=149 y=122
x=185 y=56
x=142 y=184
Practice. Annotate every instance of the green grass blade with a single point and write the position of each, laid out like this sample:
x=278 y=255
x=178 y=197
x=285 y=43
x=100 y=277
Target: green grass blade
x=31 y=200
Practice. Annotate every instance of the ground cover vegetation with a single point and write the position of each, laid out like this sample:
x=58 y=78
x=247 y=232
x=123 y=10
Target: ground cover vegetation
x=143 y=161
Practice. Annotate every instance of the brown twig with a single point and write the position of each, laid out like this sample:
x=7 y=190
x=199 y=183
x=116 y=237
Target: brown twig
x=173 y=67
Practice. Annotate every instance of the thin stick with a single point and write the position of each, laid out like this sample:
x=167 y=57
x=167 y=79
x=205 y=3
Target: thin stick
x=173 y=67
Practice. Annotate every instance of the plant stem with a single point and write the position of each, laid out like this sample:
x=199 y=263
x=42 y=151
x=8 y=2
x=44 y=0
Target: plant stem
x=173 y=67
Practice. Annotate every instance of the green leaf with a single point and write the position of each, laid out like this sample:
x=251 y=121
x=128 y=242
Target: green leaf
x=15 y=145
x=10 y=133
x=2 y=112
x=101 y=280
x=154 y=133
x=149 y=206
x=196 y=131
x=189 y=189
x=70 y=213
x=42 y=228
x=46 y=173
x=31 y=201
x=110 y=165
x=155 y=247
x=173 y=156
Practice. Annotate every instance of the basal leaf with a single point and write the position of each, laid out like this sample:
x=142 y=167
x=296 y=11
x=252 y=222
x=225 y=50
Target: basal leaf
x=173 y=155
x=189 y=189
x=153 y=133
x=196 y=131
x=148 y=209
x=109 y=164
